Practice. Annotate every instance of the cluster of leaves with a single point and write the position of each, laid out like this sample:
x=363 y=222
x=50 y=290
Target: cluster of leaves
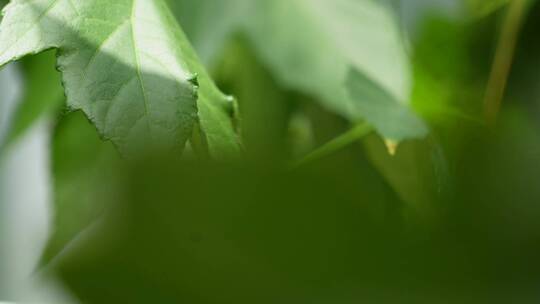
x=129 y=67
x=309 y=77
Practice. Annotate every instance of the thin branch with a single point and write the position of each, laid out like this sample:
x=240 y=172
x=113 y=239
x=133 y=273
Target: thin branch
x=504 y=58
x=336 y=144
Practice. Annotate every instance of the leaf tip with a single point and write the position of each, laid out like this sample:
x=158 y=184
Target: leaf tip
x=391 y=146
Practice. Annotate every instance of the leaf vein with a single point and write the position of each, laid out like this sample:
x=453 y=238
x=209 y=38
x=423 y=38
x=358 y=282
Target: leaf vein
x=36 y=22
x=138 y=65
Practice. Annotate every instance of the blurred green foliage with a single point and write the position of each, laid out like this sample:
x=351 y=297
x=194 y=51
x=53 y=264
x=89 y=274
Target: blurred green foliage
x=482 y=8
x=406 y=195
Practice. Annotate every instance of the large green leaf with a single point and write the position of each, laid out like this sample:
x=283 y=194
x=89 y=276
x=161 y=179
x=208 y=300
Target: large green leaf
x=311 y=45
x=128 y=66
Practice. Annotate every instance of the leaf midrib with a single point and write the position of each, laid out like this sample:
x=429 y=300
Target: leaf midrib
x=138 y=66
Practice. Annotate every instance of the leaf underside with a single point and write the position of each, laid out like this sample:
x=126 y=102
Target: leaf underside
x=312 y=45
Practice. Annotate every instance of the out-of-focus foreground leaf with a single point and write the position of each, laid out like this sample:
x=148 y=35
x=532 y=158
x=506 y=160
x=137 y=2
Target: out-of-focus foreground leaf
x=259 y=235
x=321 y=235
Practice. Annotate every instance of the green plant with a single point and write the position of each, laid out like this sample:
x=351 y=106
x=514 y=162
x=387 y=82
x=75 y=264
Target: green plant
x=172 y=117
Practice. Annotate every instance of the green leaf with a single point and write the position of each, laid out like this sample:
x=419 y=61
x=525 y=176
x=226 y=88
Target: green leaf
x=259 y=243
x=382 y=110
x=128 y=66
x=310 y=46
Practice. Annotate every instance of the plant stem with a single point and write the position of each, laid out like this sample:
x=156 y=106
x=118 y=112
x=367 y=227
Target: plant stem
x=504 y=57
x=336 y=144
